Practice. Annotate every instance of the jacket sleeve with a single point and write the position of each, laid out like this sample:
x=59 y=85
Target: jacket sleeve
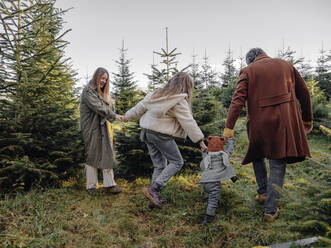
x=302 y=94
x=97 y=105
x=229 y=146
x=238 y=101
x=184 y=116
x=136 y=111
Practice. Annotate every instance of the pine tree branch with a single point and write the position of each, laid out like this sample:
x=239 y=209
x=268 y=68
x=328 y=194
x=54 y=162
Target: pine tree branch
x=46 y=46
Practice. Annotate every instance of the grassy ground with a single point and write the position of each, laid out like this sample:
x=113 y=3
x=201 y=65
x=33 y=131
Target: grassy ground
x=68 y=217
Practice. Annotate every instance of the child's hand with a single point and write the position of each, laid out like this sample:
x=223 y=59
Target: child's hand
x=204 y=148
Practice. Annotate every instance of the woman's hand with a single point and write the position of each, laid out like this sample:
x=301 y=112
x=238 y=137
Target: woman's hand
x=121 y=118
x=204 y=148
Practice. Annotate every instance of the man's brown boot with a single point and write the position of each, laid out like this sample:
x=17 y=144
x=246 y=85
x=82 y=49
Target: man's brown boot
x=271 y=217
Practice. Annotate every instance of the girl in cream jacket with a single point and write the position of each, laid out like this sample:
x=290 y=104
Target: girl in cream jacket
x=164 y=115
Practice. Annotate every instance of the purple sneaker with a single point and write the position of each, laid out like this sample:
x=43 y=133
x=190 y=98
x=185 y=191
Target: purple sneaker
x=152 y=194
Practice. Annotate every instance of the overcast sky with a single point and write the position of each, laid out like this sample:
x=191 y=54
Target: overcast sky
x=99 y=26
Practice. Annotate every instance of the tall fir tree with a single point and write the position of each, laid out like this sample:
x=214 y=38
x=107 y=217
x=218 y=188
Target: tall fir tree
x=39 y=137
x=229 y=79
x=124 y=84
x=131 y=156
x=160 y=77
x=208 y=76
x=242 y=61
x=195 y=74
x=323 y=72
x=230 y=71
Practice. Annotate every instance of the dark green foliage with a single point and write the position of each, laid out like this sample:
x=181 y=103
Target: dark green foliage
x=40 y=140
x=124 y=84
x=132 y=154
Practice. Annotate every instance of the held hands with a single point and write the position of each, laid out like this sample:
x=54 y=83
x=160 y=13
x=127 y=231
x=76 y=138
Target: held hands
x=203 y=146
x=121 y=118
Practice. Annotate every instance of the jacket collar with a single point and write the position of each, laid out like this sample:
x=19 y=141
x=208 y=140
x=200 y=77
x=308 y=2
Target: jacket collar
x=261 y=56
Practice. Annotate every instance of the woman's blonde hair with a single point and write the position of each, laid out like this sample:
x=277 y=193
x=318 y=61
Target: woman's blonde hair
x=103 y=92
x=180 y=83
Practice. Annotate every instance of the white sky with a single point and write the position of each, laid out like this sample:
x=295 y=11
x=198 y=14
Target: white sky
x=98 y=27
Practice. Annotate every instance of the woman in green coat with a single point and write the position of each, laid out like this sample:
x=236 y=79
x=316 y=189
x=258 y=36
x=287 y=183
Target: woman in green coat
x=96 y=115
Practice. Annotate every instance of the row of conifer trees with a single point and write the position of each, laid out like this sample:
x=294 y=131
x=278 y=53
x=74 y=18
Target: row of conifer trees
x=40 y=140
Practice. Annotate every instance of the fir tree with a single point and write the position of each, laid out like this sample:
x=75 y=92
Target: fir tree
x=323 y=72
x=230 y=71
x=132 y=153
x=288 y=55
x=208 y=76
x=124 y=84
x=229 y=79
x=195 y=74
x=305 y=69
x=242 y=60
x=160 y=77
x=40 y=140
x=321 y=109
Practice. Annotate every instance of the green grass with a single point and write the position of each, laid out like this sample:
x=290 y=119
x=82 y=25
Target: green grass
x=69 y=217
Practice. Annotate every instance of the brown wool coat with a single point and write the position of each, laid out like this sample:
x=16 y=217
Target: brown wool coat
x=272 y=90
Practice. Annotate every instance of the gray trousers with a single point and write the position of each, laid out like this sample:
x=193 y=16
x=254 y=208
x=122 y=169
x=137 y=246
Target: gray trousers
x=165 y=156
x=265 y=185
x=212 y=190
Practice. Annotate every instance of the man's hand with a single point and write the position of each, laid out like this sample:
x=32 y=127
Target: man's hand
x=228 y=133
x=308 y=128
x=204 y=148
x=308 y=125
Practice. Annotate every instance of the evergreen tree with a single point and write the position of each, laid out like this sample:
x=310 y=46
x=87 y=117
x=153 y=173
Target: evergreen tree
x=208 y=76
x=229 y=80
x=305 y=69
x=132 y=154
x=160 y=77
x=320 y=106
x=323 y=72
x=195 y=74
x=230 y=71
x=288 y=55
x=124 y=84
x=242 y=60
x=39 y=137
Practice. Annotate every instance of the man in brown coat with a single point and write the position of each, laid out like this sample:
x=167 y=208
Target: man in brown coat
x=276 y=124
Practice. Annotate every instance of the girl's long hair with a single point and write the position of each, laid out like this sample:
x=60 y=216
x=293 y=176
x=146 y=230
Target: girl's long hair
x=178 y=84
x=103 y=92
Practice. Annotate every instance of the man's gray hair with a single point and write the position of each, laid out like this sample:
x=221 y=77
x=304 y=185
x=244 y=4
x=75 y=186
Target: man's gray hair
x=252 y=54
